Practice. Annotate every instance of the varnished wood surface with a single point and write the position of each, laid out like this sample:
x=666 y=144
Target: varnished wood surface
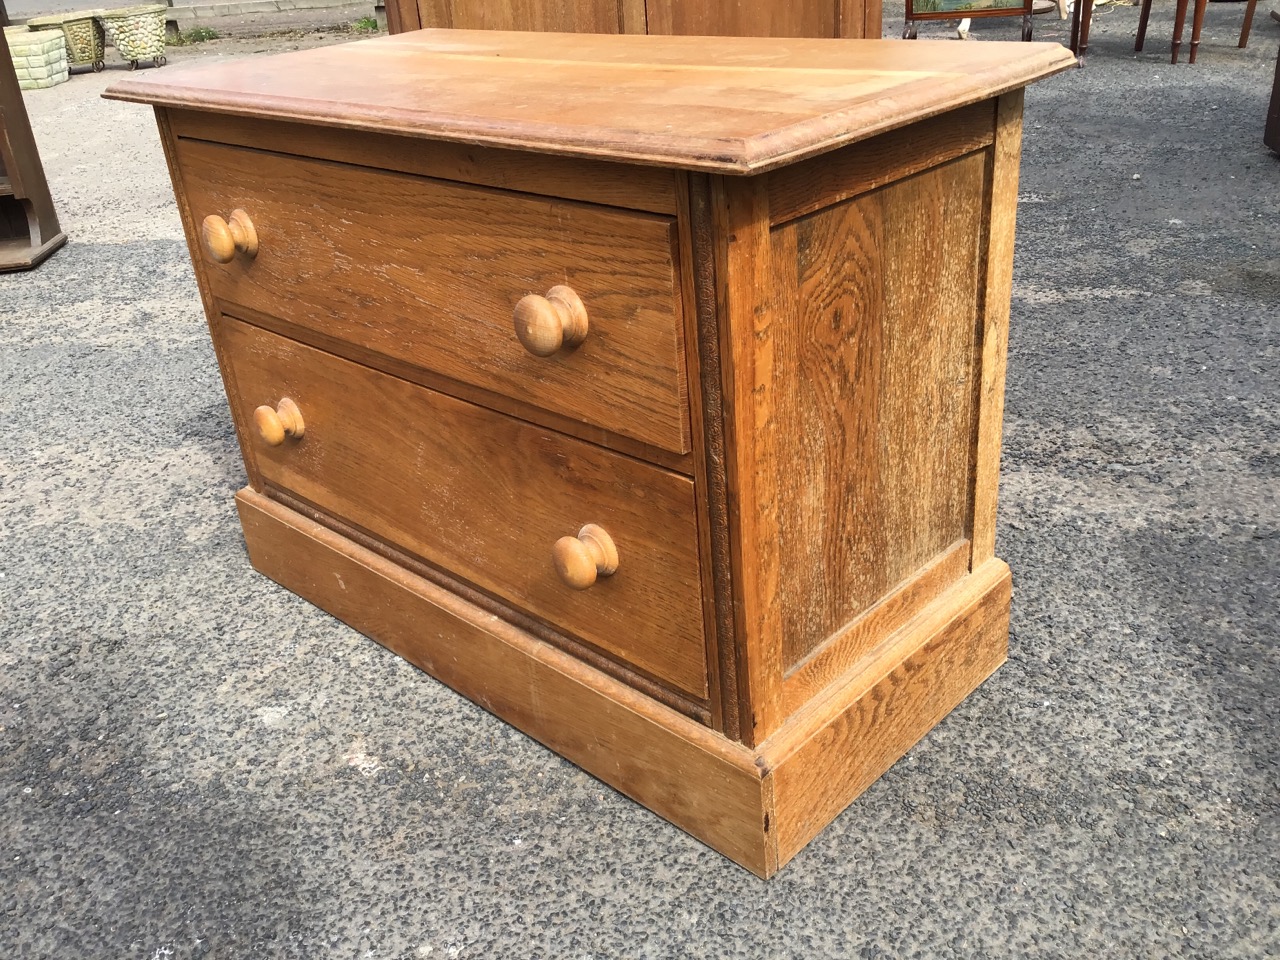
x=746 y=298
x=693 y=777
x=727 y=104
x=429 y=272
x=756 y=807
x=871 y=385
x=706 y=396
x=847 y=648
x=824 y=181
x=485 y=497
x=668 y=696
x=818 y=581
x=544 y=16
x=514 y=407
x=993 y=334
x=612 y=184
x=716 y=18
x=29 y=230
x=825 y=758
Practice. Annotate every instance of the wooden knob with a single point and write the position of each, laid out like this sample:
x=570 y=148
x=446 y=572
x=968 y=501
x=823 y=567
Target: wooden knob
x=545 y=324
x=222 y=238
x=580 y=559
x=284 y=421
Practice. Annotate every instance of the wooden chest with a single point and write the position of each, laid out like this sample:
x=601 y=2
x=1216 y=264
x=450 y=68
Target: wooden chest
x=645 y=391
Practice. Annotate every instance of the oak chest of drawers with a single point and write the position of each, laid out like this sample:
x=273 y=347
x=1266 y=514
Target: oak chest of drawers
x=646 y=391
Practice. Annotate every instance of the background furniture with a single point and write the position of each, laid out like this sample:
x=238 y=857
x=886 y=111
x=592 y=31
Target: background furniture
x=1083 y=15
x=1271 y=135
x=1179 y=20
x=965 y=11
x=645 y=390
x=29 y=230
x=758 y=18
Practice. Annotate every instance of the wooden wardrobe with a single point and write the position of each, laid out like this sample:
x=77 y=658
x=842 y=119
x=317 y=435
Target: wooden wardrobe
x=725 y=18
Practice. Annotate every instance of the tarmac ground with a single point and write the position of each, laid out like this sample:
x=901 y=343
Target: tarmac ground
x=196 y=763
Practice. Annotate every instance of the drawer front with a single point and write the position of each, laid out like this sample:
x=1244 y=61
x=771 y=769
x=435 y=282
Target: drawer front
x=429 y=272
x=481 y=495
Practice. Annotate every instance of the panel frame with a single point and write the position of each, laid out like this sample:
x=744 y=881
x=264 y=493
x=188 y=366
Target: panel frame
x=770 y=691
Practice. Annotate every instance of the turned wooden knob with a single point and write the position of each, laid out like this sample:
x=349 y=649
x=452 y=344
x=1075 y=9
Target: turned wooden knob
x=222 y=238
x=284 y=421
x=545 y=324
x=580 y=559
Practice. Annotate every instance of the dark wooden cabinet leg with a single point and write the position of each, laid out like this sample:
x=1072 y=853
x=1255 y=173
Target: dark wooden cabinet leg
x=29 y=229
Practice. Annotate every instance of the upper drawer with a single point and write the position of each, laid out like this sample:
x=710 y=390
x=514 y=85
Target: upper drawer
x=484 y=496
x=429 y=272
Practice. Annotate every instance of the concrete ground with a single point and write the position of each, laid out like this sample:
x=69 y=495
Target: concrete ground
x=195 y=763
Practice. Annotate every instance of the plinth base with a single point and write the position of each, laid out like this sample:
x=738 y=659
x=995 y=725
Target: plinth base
x=758 y=807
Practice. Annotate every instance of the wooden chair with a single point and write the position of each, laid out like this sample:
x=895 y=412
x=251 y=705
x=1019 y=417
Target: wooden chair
x=1082 y=16
x=1179 y=20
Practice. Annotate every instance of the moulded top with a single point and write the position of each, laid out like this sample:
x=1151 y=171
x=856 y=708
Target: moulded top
x=719 y=104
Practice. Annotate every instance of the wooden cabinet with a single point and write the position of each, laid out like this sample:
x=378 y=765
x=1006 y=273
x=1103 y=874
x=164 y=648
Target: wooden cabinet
x=29 y=231
x=852 y=19
x=646 y=391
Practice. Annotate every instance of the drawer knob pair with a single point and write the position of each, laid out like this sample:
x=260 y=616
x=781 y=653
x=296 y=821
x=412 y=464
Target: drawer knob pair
x=276 y=424
x=546 y=324
x=581 y=559
x=223 y=238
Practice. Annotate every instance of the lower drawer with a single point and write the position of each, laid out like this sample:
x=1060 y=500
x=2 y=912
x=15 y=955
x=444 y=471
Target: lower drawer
x=480 y=495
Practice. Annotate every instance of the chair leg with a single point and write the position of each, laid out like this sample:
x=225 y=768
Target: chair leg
x=1248 y=23
x=1075 y=30
x=1179 y=21
x=1142 y=25
x=1196 y=24
x=1086 y=19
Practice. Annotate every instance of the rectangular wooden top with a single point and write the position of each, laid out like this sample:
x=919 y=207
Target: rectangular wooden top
x=721 y=104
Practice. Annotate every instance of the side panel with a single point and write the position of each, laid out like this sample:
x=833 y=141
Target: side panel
x=860 y=408
x=874 y=385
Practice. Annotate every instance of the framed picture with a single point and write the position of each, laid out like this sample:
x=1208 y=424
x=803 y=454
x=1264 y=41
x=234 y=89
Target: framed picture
x=961 y=9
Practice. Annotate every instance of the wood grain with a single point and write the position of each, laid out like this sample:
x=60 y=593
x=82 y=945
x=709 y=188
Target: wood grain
x=861 y=18
x=680 y=463
x=996 y=291
x=693 y=707
x=706 y=396
x=872 y=386
x=429 y=273
x=748 y=328
x=241 y=419
x=826 y=757
x=726 y=104
x=595 y=181
x=486 y=498
x=771 y=18
x=846 y=650
x=690 y=775
x=803 y=188
x=732 y=18
x=546 y=16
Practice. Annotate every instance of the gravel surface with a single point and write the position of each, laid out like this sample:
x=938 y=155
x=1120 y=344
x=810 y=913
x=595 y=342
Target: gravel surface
x=195 y=763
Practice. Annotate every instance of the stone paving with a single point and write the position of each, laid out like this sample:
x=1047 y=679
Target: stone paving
x=195 y=763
